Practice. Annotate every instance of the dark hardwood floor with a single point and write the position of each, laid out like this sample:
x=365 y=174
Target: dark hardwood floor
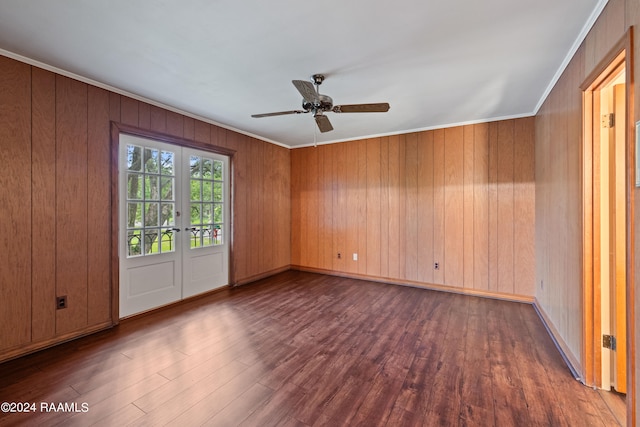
x=301 y=349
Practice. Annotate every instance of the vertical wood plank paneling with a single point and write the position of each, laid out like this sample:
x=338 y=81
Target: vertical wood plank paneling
x=438 y=205
x=129 y=111
x=481 y=207
x=524 y=208
x=326 y=237
x=396 y=239
x=350 y=230
x=493 y=207
x=407 y=201
x=402 y=211
x=114 y=107
x=361 y=224
x=158 y=119
x=411 y=207
x=71 y=203
x=468 y=190
x=189 y=128
x=219 y=136
x=303 y=210
x=312 y=206
x=16 y=206
x=202 y=133
x=256 y=209
x=175 y=124
x=576 y=210
x=283 y=213
x=239 y=194
x=267 y=202
x=43 y=196
x=144 y=115
x=384 y=207
x=425 y=207
x=505 y=206
x=99 y=207
x=454 y=207
x=373 y=207
x=339 y=205
x=297 y=217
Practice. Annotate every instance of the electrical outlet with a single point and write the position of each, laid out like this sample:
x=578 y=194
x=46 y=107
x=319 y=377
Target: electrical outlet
x=339 y=255
x=61 y=302
x=355 y=257
x=436 y=266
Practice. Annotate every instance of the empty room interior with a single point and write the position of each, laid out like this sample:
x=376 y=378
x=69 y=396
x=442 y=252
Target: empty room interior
x=273 y=213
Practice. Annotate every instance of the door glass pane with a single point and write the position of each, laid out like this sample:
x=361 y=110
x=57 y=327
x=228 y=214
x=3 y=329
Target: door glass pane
x=217 y=192
x=194 y=166
x=151 y=191
x=217 y=234
x=151 y=160
x=134 y=158
x=134 y=242
x=196 y=211
x=151 y=209
x=168 y=237
x=168 y=213
x=134 y=186
x=207 y=213
x=151 y=215
x=207 y=168
x=195 y=238
x=196 y=190
x=151 y=240
x=217 y=170
x=166 y=188
x=134 y=215
x=206 y=186
x=217 y=213
x=207 y=191
x=167 y=161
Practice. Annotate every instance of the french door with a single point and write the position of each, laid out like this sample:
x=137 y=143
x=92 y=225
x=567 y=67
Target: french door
x=174 y=223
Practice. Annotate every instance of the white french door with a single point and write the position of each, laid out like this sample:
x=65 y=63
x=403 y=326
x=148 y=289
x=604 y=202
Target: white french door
x=174 y=223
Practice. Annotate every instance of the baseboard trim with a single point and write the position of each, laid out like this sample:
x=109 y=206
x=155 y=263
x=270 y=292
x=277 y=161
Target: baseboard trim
x=264 y=275
x=569 y=358
x=422 y=285
x=24 y=350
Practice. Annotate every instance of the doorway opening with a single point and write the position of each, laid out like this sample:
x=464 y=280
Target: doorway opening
x=607 y=224
x=174 y=223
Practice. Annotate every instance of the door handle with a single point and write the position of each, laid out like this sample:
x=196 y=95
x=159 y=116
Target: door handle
x=177 y=230
x=190 y=229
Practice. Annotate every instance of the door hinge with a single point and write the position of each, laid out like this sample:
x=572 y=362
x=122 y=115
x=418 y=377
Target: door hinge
x=608 y=120
x=609 y=341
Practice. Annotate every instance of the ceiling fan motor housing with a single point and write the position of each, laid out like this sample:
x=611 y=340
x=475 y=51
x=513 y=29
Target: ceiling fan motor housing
x=324 y=103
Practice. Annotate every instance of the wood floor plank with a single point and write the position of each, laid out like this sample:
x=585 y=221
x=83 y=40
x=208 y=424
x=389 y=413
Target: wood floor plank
x=302 y=349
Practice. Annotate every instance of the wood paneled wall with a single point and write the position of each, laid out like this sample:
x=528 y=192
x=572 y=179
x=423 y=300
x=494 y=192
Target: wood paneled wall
x=56 y=201
x=559 y=185
x=462 y=197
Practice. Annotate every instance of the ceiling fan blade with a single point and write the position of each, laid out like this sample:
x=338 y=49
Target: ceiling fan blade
x=307 y=90
x=279 y=113
x=382 y=107
x=323 y=123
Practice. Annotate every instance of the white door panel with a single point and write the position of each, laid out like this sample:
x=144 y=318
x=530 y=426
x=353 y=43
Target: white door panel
x=206 y=257
x=174 y=211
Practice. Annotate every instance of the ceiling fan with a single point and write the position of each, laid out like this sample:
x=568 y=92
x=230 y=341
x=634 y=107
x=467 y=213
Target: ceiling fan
x=318 y=104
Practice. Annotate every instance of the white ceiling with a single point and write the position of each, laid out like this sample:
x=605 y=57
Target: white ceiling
x=437 y=62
